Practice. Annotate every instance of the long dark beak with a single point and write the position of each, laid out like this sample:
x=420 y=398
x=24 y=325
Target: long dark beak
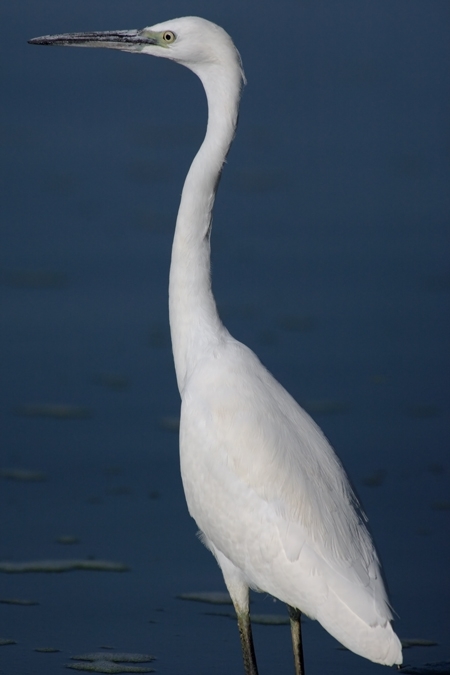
x=126 y=40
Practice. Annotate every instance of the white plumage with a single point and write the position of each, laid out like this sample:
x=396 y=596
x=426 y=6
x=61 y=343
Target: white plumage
x=268 y=493
x=271 y=497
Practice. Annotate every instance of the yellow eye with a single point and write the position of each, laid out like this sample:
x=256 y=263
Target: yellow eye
x=168 y=36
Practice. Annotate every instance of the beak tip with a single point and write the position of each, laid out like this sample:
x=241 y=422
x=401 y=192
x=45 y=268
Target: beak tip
x=38 y=41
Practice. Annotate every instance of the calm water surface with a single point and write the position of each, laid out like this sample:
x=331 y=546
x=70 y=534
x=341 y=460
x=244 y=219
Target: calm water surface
x=330 y=260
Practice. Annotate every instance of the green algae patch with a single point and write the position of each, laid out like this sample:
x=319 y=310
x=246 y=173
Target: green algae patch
x=59 y=411
x=23 y=602
x=113 y=662
x=261 y=619
x=435 y=668
x=108 y=667
x=115 y=657
x=23 y=475
x=49 y=566
x=417 y=642
x=213 y=597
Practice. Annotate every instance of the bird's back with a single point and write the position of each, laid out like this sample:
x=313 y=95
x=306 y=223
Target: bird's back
x=267 y=490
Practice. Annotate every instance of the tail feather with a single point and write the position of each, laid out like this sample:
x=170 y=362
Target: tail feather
x=376 y=642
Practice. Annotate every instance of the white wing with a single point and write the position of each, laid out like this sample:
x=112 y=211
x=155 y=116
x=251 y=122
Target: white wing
x=241 y=420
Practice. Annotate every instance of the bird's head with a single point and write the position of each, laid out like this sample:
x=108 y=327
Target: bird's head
x=191 y=41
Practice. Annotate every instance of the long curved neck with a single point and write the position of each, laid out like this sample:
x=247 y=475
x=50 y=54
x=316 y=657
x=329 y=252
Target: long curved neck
x=194 y=320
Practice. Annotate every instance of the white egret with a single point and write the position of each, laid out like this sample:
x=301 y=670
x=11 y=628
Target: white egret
x=269 y=495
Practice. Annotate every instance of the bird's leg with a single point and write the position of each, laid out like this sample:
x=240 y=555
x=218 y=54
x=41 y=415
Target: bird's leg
x=296 y=632
x=238 y=590
x=248 y=650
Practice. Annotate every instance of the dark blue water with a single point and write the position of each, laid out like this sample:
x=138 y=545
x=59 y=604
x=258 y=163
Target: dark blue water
x=330 y=260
